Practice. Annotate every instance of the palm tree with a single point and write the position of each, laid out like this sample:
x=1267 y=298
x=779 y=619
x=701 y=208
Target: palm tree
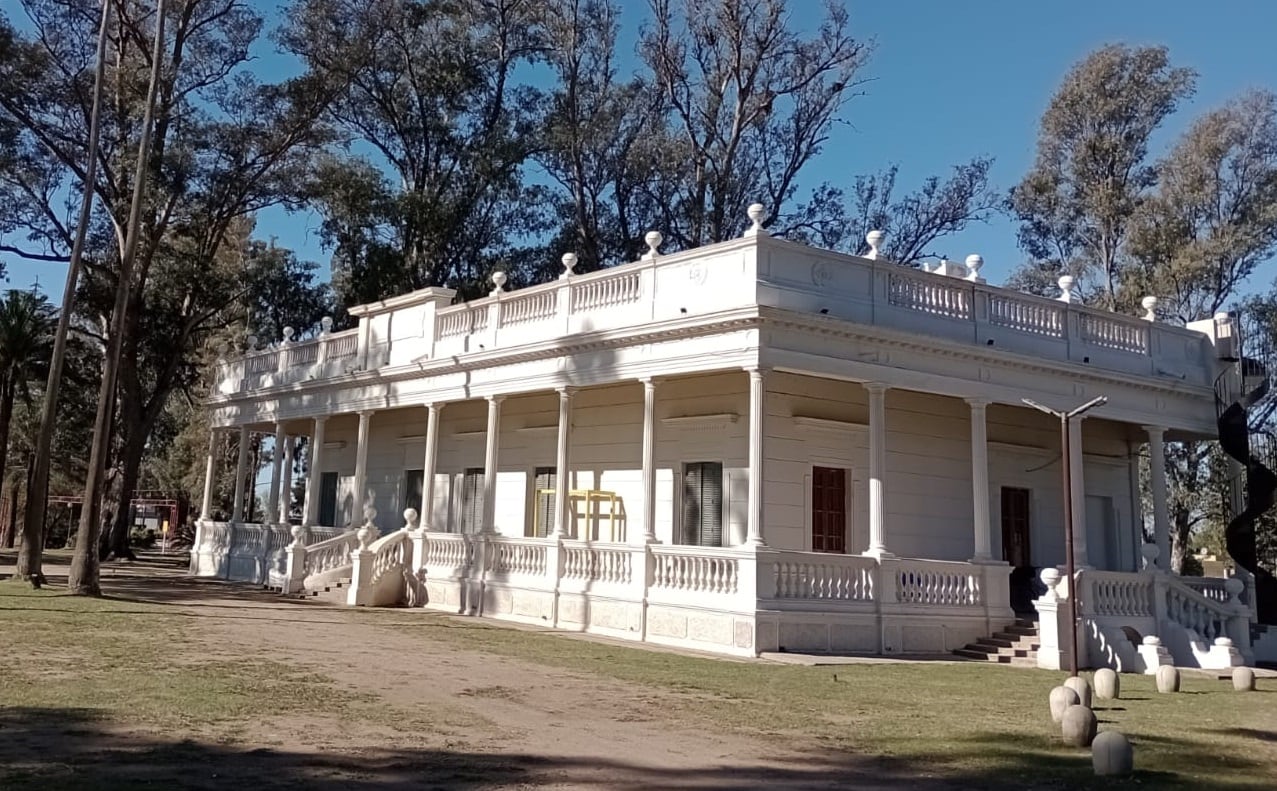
x=26 y=345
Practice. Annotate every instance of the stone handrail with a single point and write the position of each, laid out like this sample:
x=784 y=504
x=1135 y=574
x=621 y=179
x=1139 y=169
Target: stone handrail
x=1213 y=588
x=390 y=554
x=598 y=562
x=938 y=583
x=328 y=556
x=695 y=569
x=805 y=576
x=1116 y=594
x=447 y=551
x=1193 y=611
x=518 y=556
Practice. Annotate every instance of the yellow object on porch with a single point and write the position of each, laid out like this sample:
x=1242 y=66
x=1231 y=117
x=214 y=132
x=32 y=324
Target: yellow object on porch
x=589 y=496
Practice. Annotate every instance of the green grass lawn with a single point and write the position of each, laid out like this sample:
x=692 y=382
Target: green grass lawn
x=129 y=664
x=962 y=719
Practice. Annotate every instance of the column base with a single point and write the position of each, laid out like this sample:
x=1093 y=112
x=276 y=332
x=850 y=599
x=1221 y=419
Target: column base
x=880 y=554
x=986 y=561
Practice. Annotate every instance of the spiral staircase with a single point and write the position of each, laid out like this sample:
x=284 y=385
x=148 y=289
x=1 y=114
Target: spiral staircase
x=1245 y=402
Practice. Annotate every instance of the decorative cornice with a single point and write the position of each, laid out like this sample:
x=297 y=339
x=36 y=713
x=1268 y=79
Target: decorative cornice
x=827 y=424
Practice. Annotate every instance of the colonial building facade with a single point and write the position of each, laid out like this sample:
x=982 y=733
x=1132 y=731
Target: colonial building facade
x=747 y=447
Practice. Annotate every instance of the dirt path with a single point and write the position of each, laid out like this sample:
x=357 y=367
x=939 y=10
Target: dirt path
x=475 y=720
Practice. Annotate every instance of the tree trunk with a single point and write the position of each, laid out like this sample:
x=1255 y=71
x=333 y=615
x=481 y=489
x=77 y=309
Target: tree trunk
x=115 y=542
x=10 y=516
x=1181 y=527
x=6 y=417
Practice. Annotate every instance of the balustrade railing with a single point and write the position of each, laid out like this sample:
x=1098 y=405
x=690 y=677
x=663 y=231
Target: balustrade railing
x=342 y=345
x=1191 y=610
x=596 y=563
x=389 y=554
x=824 y=578
x=938 y=583
x=938 y=295
x=1212 y=588
x=1113 y=333
x=262 y=363
x=330 y=554
x=605 y=292
x=1007 y=310
x=531 y=307
x=521 y=556
x=1119 y=594
x=693 y=570
x=447 y=551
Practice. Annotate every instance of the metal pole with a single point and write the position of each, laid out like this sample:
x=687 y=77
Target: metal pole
x=1069 y=568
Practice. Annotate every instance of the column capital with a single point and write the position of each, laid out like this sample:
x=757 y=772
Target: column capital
x=977 y=403
x=757 y=370
x=1154 y=431
x=367 y=413
x=649 y=382
x=494 y=399
x=876 y=388
x=566 y=392
x=435 y=407
x=320 y=419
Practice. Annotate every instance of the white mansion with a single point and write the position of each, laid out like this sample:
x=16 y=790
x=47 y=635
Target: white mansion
x=748 y=447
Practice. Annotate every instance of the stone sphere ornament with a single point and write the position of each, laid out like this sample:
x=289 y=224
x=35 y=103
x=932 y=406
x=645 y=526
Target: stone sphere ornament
x=1243 y=679
x=1111 y=754
x=1108 y=685
x=1061 y=698
x=1078 y=726
x=1082 y=687
x=410 y=518
x=1167 y=677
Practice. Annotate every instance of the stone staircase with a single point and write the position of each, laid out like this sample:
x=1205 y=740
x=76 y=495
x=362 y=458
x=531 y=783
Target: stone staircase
x=1263 y=642
x=1016 y=645
x=332 y=593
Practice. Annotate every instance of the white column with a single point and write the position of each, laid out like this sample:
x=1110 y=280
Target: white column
x=980 y=482
x=1157 y=481
x=361 y=469
x=241 y=470
x=562 y=470
x=649 y=461
x=314 y=472
x=428 y=465
x=277 y=465
x=206 y=507
x=877 y=469
x=757 y=421
x=286 y=480
x=490 y=465
x=1077 y=484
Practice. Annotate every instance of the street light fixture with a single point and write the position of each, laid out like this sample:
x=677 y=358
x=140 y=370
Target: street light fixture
x=1067 y=492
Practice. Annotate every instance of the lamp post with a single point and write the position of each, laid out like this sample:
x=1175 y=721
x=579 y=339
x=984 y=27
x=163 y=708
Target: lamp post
x=1066 y=454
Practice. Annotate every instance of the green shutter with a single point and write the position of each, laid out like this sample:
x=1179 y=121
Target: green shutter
x=543 y=521
x=703 y=504
x=472 y=500
x=328 y=499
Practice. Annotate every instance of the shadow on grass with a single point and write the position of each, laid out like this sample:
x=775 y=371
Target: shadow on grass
x=72 y=748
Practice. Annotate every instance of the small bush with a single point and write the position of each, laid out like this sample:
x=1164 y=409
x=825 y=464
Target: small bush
x=141 y=537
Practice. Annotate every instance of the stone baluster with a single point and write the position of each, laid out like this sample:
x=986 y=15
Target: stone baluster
x=295 y=566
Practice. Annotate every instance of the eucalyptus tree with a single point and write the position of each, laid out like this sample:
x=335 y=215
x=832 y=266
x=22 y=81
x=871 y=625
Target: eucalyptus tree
x=1092 y=172
x=222 y=146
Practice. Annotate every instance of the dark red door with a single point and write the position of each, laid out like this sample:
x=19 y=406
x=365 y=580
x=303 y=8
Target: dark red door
x=828 y=509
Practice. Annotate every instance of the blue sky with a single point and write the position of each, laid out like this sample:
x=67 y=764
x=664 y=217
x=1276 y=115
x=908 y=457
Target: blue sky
x=951 y=80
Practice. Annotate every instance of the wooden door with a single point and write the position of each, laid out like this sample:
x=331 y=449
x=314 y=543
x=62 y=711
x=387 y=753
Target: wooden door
x=828 y=509
x=1015 y=527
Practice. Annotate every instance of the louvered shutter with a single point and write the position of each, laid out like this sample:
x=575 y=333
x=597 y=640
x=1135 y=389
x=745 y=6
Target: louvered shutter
x=543 y=521
x=414 y=485
x=328 y=499
x=703 y=504
x=472 y=500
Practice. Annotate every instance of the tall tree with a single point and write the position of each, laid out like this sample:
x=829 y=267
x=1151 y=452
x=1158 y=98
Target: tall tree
x=432 y=92
x=1092 y=174
x=750 y=103
x=1202 y=231
x=26 y=341
x=222 y=147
